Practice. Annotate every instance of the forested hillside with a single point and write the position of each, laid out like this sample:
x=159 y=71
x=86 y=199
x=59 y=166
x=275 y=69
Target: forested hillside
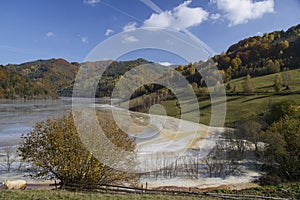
x=109 y=78
x=15 y=86
x=43 y=79
x=252 y=57
x=255 y=56
x=258 y=56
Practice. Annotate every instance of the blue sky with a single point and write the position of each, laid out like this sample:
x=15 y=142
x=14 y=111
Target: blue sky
x=71 y=29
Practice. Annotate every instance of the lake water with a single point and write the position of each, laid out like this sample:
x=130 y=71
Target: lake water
x=18 y=117
x=164 y=137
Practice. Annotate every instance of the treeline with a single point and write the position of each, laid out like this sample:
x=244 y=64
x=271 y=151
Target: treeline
x=52 y=78
x=108 y=73
x=144 y=102
x=257 y=56
x=15 y=86
x=254 y=56
x=41 y=79
x=113 y=73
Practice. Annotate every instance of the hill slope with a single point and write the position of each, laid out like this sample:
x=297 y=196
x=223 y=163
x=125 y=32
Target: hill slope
x=55 y=77
x=15 y=86
x=53 y=74
x=258 y=55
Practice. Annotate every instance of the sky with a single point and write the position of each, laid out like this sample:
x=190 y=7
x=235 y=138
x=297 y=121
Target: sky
x=72 y=29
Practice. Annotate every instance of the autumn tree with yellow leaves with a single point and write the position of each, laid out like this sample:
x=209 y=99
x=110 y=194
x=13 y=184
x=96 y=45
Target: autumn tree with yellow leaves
x=54 y=148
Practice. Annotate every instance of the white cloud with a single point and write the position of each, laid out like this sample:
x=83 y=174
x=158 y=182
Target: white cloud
x=181 y=17
x=131 y=26
x=215 y=16
x=165 y=63
x=241 y=11
x=50 y=34
x=109 y=31
x=129 y=38
x=84 y=39
x=91 y=2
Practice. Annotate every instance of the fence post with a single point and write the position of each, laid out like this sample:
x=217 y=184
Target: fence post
x=142 y=186
x=146 y=187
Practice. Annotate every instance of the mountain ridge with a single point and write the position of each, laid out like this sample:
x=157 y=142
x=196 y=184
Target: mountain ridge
x=258 y=55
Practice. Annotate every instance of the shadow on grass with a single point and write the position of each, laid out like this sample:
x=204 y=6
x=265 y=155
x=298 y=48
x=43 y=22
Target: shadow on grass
x=218 y=103
x=255 y=98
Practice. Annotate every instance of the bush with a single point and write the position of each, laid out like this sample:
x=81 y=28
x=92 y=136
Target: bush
x=280 y=110
x=282 y=150
x=54 y=148
x=270 y=179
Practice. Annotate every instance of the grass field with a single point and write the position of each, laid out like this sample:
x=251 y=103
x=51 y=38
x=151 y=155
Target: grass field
x=242 y=106
x=284 y=190
x=58 y=195
x=238 y=107
x=265 y=83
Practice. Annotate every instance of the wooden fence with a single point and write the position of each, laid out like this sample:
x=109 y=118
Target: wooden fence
x=116 y=189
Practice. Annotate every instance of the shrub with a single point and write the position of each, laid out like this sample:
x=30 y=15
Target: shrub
x=54 y=148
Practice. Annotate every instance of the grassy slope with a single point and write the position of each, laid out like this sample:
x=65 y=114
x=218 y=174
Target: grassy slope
x=240 y=107
x=265 y=83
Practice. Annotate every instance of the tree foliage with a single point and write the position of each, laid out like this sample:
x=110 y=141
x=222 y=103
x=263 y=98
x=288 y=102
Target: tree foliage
x=283 y=148
x=278 y=82
x=259 y=56
x=248 y=85
x=54 y=148
x=256 y=56
x=280 y=110
x=281 y=156
x=249 y=130
x=15 y=86
x=286 y=78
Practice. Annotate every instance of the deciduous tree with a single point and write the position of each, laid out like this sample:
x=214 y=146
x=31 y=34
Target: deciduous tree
x=248 y=85
x=54 y=148
x=283 y=148
x=278 y=83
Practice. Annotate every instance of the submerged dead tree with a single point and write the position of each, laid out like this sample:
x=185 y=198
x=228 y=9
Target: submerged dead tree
x=10 y=157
